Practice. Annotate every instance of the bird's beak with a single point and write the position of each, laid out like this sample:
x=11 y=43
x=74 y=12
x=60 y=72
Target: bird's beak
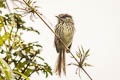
x=59 y=18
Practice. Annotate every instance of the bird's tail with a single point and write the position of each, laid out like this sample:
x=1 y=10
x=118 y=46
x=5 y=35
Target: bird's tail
x=60 y=63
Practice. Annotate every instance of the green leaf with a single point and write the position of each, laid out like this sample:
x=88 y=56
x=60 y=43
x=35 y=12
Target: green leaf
x=40 y=58
x=28 y=72
x=38 y=45
x=6 y=69
x=0 y=12
x=86 y=64
x=2 y=3
x=5 y=37
x=30 y=29
x=1 y=22
x=21 y=64
x=78 y=55
x=29 y=2
x=16 y=72
x=86 y=54
x=27 y=50
x=82 y=49
x=1 y=41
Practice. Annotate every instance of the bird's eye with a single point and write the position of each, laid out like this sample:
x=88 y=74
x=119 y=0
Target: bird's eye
x=63 y=17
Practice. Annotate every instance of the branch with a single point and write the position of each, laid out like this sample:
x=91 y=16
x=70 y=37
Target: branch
x=7 y=6
x=37 y=13
x=86 y=73
x=23 y=71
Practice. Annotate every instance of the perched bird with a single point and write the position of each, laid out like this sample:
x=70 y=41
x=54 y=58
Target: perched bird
x=65 y=31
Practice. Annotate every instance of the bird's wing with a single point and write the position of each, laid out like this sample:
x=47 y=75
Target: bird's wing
x=69 y=48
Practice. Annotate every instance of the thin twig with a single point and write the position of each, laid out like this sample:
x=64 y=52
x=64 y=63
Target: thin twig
x=23 y=71
x=37 y=13
x=8 y=6
x=86 y=73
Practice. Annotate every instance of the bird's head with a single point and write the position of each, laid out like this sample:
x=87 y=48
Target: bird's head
x=64 y=18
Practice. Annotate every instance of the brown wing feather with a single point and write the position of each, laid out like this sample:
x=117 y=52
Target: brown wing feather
x=69 y=48
x=56 y=44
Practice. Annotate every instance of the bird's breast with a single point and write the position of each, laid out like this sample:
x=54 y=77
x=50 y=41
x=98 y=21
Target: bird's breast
x=67 y=35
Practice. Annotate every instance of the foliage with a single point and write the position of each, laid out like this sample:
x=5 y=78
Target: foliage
x=2 y=3
x=21 y=57
x=5 y=69
x=82 y=56
x=21 y=75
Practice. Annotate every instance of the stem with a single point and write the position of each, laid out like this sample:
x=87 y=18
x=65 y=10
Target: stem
x=86 y=73
x=27 y=66
x=10 y=47
x=24 y=70
x=7 y=6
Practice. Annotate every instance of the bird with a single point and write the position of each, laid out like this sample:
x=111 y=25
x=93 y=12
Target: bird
x=64 y=30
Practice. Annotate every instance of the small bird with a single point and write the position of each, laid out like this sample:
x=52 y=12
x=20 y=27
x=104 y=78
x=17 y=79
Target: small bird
x=65 y=31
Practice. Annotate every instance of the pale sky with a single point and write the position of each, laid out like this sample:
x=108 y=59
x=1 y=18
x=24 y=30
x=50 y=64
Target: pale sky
x=97 y=24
